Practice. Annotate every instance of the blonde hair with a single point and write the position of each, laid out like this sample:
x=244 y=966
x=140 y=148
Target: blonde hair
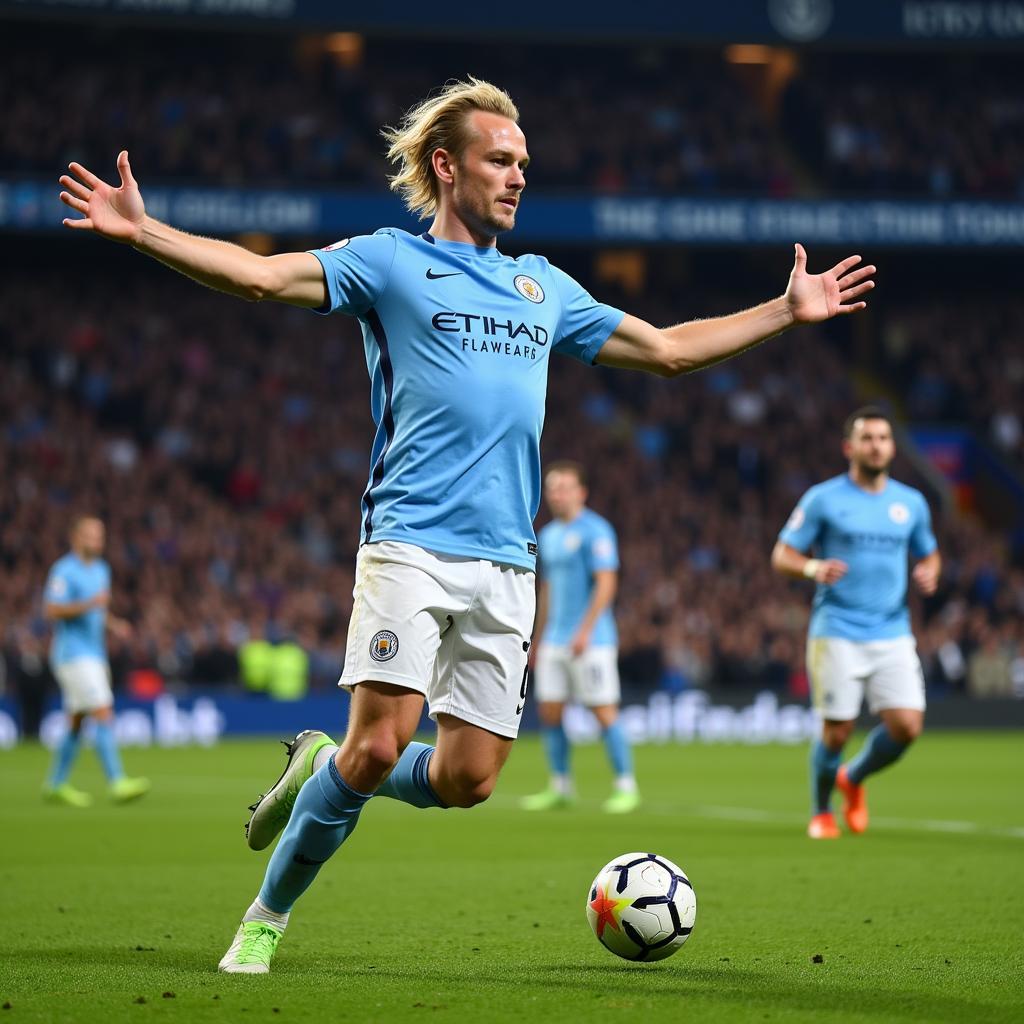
x=438 y=122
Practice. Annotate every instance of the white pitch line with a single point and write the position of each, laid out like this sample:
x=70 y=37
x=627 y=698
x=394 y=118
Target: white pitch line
x=759 y=815
x=917 y=824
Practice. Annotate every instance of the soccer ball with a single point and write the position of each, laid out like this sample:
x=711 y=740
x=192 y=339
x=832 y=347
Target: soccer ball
x=641 y=906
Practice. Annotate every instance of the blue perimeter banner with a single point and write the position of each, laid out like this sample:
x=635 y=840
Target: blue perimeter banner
x=29 y=205
x=694 y=716
x=203 y=719
x=908 y=22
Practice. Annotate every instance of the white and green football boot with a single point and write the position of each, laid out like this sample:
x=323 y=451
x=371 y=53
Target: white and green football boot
x=125 y=789
x=622 y=801
x=272 y=810
x=252 y=949
x=550 y=799
x=65 y=793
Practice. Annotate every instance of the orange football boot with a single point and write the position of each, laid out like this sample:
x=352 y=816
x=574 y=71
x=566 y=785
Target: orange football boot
x=855 y=801
x=823 y=826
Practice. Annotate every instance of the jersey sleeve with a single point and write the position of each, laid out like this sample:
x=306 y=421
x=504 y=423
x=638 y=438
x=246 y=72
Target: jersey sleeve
x=585 y=324
x=603 y=549
x=356 y=271
x=922 y=539
x=803 y=527
x=60 y=587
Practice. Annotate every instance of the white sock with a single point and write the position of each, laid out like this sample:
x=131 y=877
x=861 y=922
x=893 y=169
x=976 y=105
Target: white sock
x=562 y=784
x=625 y=784
x=258 y=912
x=323 y=755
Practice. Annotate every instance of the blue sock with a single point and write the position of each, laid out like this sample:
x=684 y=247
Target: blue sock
x=619 y=751
x=106 y=751
x=556 y=745
x=409 y=781
x=326 y=811
x=64 y=758
x=824 y=765
x=879 y=751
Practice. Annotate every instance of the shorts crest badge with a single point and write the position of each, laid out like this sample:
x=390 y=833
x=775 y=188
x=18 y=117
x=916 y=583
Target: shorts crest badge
x=528 y=288
x=384 y=645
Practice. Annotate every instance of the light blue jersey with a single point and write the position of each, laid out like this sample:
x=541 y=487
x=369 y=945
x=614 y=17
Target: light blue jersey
x=72 y=580
x=872 y=534
x=570 y=554
x=457 y=341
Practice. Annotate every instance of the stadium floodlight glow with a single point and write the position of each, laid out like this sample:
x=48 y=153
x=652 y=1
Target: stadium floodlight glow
x=749 y=53
x=345 y=47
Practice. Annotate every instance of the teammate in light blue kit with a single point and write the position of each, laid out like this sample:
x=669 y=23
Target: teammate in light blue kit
x=75 y=600
x=861 y=527
x=575 y=640
x=457 y=339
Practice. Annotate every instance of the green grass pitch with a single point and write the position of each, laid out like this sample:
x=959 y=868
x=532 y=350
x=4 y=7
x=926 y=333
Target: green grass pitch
x=121 y=913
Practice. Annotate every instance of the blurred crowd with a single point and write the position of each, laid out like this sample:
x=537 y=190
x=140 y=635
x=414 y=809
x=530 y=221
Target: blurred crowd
x=283 y=112
x=227 y=445
x=976 y=375
x=926 y=126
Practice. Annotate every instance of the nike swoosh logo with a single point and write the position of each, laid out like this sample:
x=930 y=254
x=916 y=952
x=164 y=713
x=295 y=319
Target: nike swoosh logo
x=300 y=859
x=519 y=710
x=431 y=276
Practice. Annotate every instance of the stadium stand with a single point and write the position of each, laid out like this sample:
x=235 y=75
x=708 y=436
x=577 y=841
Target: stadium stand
x=227 y=447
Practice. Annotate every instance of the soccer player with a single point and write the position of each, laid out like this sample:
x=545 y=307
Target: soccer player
x=76 y=598
x=575 y=639
x=457 y=339
x=860 y=527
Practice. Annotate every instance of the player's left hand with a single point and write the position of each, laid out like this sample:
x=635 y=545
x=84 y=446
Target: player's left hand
x=580 y=642
x=815 y=297
x=926 y=578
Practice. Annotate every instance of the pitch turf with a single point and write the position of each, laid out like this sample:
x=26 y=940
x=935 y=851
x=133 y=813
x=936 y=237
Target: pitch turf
x=121 y=913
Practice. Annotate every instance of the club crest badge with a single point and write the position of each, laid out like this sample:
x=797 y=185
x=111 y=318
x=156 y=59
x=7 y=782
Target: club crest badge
x=384 y=645
x=898 y=512
x=528 y=288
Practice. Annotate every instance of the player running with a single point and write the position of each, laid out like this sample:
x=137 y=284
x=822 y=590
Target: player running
x=76 y=598
x=457 y=339
x=575 y=639
x=861 y=526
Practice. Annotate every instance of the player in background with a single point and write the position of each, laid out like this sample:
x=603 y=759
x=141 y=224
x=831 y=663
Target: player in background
x=75 y=600
x=575 y=644
x=457 y=338
x=860 y=527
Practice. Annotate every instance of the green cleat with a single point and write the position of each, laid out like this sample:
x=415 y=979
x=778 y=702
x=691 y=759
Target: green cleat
x=65 y=793
x=124 y=789
x=252 y=949
x=549 y=800
x=271 y=812
x=622 y=801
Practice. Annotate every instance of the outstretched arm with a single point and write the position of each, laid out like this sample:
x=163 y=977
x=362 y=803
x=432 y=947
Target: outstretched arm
x=120 y=215
x=809 y=298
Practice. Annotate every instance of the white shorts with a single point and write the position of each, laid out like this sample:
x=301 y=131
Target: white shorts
x=455 y=629
x=841 y=670
x=592 y=679
x=84 y=685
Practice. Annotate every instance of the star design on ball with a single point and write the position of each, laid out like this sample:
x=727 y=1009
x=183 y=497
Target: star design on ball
x=608 y=910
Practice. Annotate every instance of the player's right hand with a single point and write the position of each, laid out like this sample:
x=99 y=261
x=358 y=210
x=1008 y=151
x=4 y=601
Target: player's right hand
x=101 y=600
x=115 y=213
x=831 y=570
